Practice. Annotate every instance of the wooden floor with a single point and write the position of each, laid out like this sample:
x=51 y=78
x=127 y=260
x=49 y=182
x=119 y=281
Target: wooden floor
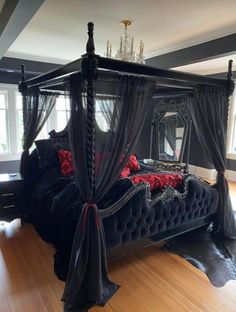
x=152 y=280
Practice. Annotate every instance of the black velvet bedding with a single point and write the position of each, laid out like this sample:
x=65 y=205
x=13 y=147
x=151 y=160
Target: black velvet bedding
x=129 y=212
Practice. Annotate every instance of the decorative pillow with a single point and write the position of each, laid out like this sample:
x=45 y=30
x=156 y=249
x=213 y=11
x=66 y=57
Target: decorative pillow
x=159 y=180
x=133 y=164
x=66 y=163
x=47 y=154
x=125 y=173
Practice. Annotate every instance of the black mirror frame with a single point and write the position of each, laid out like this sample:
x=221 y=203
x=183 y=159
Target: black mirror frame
x=180 y=106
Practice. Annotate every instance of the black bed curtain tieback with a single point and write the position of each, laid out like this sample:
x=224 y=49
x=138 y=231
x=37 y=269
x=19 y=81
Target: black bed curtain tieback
x=88 y=206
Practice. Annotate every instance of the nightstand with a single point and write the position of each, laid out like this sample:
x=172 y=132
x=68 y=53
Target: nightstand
x=11 y=196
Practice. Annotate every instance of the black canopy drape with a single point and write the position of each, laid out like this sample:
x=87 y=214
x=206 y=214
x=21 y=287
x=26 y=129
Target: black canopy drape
x=209 y=109
x=87 y=281
x=37 y=106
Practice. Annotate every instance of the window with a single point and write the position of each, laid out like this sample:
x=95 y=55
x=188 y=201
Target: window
x=4 y=147
x=11 y=121
x=19 y=121
x=62 y=112
x=103 y=106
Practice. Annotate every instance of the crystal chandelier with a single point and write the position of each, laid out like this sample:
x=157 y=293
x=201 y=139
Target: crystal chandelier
x=126 y=50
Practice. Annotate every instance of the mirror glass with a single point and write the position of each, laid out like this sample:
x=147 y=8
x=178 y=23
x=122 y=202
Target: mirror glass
x=171 y=132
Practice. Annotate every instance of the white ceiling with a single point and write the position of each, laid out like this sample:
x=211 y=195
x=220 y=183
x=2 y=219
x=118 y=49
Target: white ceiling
x=57 y=32
x=218 y=65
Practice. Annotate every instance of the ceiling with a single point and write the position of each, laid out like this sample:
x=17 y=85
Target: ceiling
x=57 y=32
x=218 y=65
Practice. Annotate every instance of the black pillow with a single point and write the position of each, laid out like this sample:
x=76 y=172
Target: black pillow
x=47 y=154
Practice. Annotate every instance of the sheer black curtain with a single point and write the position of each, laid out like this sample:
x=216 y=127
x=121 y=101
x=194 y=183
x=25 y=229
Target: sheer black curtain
x=87 y=281
x=37 y=106
x=209 y=109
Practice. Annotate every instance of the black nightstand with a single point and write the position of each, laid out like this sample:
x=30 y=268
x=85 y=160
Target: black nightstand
x=11 y=198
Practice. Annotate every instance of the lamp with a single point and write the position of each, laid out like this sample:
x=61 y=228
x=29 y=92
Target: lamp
x=126 y=50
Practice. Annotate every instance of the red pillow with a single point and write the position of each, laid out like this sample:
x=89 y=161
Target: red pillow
x=66 y=163
x=125 y=173
x=133 y=164
x=159 y=180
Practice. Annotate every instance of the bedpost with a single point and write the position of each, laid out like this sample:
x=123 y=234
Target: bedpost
x=22 y=84
x=186 y=169
x=89 y=72
x=90 y=47
x=230 y=90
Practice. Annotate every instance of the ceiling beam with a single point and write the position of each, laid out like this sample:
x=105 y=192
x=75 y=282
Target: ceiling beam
x=33 y=67
x=205 y=51
x=14 y=16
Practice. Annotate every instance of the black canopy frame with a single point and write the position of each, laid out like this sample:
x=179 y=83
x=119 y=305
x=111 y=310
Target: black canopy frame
x=169 y=83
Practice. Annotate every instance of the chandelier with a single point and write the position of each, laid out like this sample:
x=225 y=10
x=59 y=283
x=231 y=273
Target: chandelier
x=126 y=50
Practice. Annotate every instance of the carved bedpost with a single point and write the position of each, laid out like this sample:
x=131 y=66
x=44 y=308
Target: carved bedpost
x=22 y=85
x=230 y=78
x=230 y=90
x=89 y=72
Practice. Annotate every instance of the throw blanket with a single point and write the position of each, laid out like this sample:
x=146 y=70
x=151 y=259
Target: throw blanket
x=158 y=181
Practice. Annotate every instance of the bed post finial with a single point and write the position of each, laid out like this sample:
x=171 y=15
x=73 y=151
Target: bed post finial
x=22 y=85
x=22 y=73
x=230 y=73
x=90 y=47
x=230 y=78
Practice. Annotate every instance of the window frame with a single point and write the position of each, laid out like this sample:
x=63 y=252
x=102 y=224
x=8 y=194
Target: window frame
x=10 y=91
x=6 y=93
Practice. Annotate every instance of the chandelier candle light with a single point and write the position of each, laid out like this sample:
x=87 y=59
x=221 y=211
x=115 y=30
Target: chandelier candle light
x=126 y=50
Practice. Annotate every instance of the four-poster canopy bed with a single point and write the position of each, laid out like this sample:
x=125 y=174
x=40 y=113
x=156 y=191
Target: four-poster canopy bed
x=96 y=210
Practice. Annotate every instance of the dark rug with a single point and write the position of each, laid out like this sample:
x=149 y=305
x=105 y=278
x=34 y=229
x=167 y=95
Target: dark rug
x=214 y=256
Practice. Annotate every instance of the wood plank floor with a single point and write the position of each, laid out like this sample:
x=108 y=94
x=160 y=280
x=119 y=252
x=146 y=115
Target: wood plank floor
x=152 y=280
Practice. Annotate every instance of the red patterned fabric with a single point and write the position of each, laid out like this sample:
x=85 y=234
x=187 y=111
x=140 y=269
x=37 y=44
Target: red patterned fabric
x=131 y=166
x=66 y=164
x=125 y=173
x=159 y=180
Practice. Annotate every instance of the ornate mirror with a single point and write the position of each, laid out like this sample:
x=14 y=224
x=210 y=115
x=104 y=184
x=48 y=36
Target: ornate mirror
x=170 y=133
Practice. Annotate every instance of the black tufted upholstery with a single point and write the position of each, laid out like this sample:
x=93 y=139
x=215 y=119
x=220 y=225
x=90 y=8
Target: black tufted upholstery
x=140 y=218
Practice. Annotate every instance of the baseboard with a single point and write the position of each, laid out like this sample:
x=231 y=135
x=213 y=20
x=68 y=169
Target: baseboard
x=210 y=174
